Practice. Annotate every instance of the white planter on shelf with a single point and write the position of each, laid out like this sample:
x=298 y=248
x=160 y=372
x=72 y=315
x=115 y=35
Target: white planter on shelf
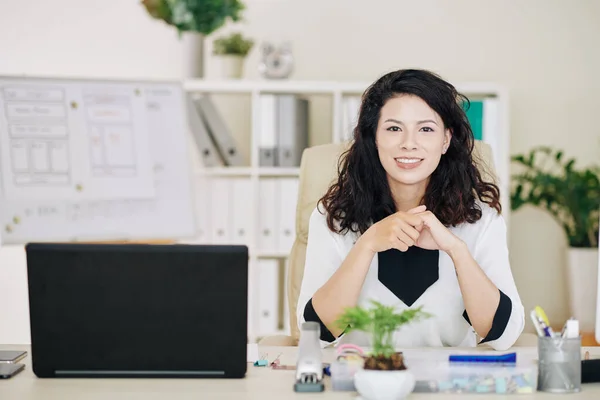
x=193 y=55
x=583 y=286
x=384 y=385
x=232 y=66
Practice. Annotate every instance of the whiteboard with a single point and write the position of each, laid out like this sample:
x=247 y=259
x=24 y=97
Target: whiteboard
x=93 y=160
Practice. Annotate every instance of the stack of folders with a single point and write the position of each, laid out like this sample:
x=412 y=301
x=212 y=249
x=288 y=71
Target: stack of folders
x=212 y=136
x=283 y=130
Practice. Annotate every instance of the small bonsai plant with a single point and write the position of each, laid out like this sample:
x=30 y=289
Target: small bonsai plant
x=202 y=16
x=233 y=44
x=380 y=321
x=570 y=195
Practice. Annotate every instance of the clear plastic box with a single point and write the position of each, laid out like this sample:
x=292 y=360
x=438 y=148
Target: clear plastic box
x=342 y=375
x=445 y=377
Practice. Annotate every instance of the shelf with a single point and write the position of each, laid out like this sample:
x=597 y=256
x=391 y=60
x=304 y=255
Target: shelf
x=224 y=171
x=267 y=86
x=249 y=171
x=272 y=254
x=315 y=87
x=279 y=171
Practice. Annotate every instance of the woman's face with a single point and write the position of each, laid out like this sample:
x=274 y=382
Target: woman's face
x=411 y=139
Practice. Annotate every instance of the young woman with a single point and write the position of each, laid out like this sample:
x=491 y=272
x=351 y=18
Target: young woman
x=410 y=222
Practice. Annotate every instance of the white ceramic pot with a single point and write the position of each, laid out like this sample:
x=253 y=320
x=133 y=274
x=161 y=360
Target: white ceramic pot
x=193 y=55
x=384 y=385
x=232 y=66
x=583 y=286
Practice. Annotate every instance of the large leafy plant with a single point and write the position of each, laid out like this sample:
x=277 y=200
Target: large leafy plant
x=380 y=321
x=203 y=16
x=572 y=196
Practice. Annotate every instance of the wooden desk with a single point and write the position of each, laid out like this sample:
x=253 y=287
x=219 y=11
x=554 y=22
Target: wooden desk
x=260 y=384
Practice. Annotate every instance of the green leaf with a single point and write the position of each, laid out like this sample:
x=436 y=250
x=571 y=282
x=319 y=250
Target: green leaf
x=559 y=155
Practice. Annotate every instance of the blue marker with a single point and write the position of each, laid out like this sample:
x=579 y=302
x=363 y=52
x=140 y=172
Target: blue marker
x=509 y=358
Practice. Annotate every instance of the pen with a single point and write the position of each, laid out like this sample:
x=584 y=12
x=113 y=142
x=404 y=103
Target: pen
x=536 y=323
x=540 y=312
x=543 y=321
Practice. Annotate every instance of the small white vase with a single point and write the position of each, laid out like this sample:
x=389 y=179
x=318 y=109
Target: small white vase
x=583 y=286
x=193 y=55
x=384 y=385
x=232 y=66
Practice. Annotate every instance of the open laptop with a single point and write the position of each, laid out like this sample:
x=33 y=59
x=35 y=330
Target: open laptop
x=134 y=310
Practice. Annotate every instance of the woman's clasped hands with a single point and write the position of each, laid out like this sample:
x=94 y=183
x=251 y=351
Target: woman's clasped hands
x=404 y=229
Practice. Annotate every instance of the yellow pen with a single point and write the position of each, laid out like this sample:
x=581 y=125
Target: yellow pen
x=540 y=312
x=544 y=318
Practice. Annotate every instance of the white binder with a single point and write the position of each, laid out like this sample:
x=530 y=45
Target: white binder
x=220 y=210
x=268 y=214
x=208 y=152
x=267 y=142
x=202 y=204
x=287 y=197
x=350 y=110
x=292 y=129
x=268 y=296
x=241 y=189
x=219 y=132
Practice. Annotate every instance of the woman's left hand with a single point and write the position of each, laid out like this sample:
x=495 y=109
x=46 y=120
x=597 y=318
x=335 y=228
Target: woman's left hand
x=435 y=236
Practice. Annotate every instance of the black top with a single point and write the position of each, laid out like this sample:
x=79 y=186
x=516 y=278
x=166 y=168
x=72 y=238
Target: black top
x=408 y=275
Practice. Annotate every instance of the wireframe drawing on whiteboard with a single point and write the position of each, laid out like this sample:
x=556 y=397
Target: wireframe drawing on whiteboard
x=39 y=150
x=120 y=117
x=112 y=143
x=61 y=138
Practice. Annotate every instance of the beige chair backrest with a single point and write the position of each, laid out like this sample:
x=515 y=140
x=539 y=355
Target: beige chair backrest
x=318 y=169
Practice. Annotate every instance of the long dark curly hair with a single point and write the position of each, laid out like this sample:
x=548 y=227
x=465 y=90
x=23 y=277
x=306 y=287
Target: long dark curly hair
x=362 y=195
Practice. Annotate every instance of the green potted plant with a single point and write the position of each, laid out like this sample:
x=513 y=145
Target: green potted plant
x=551 y=182
x=194 y=20
x=384 y=375
x=232 y=50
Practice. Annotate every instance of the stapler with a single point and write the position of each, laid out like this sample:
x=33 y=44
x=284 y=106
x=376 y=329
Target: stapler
x=309 y=366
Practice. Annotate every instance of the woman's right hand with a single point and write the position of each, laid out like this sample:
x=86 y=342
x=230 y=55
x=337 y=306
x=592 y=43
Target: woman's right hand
x=397 y=231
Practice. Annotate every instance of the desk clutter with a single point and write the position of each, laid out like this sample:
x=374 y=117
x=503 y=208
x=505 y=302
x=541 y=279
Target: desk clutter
x=558 y=368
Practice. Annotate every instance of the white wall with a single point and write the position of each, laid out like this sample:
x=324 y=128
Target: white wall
x=544 y=51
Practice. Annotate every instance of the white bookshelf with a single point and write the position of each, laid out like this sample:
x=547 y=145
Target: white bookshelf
x=336 y=91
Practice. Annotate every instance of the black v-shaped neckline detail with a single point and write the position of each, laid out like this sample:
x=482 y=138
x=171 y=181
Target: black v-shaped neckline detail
x=408 y=274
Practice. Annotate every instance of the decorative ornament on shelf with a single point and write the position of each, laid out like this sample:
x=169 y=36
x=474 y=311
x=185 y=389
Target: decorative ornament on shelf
x=232 y=50
x=572 y=197
x=276 y=62
x=385 y=375
x=194 y=20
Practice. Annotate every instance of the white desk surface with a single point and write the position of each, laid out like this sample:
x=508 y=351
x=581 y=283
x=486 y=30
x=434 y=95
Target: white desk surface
x=261 y=383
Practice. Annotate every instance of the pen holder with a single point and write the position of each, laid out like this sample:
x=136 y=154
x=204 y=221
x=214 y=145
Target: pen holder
x=559 y=364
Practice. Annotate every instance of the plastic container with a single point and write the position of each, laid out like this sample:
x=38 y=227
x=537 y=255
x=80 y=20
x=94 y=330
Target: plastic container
x=475 y=378
x=342 y=375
